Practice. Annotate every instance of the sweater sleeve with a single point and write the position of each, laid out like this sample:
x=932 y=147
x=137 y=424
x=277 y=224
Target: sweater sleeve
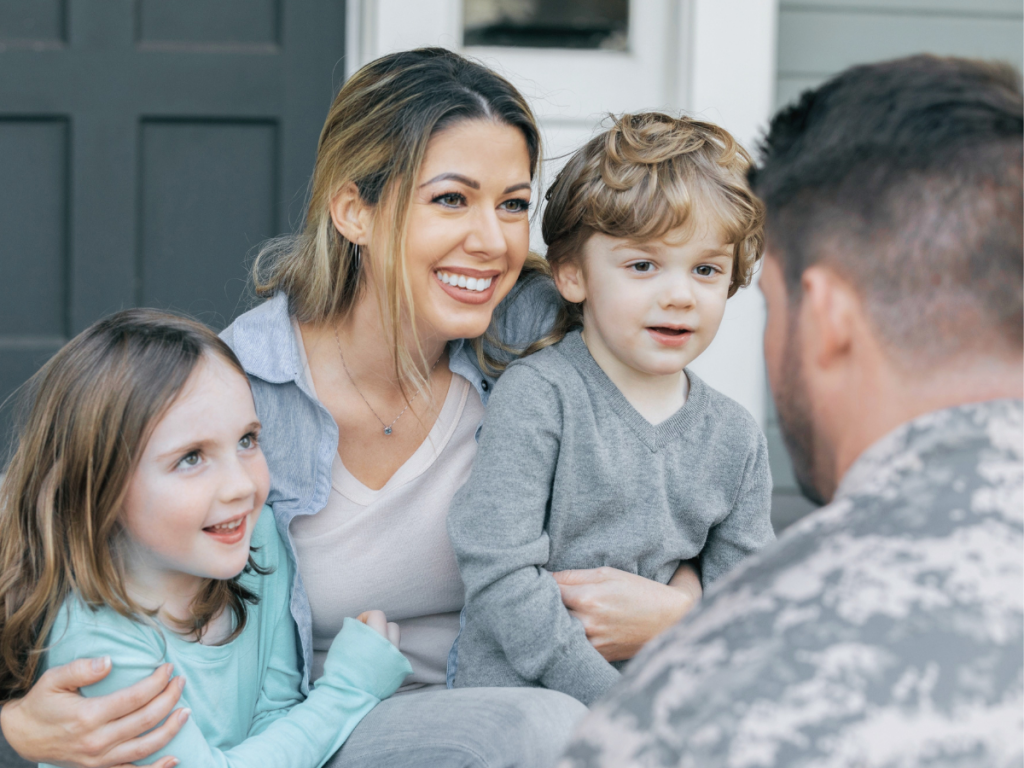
x=497 y=525
x=748 y=526
x=361 y=669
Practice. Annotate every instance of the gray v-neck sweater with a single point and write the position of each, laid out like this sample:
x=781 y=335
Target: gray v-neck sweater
x=569 y=475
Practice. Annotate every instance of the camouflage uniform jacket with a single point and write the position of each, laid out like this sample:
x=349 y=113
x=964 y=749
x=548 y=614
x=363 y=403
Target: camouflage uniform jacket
x=883 y=630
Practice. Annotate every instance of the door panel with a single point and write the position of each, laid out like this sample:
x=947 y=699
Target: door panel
x=146 y=147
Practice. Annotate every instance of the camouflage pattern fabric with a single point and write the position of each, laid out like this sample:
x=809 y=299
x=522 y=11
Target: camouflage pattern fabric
x=885 y=630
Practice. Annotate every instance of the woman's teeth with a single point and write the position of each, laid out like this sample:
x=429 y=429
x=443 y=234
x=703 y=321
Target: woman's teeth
x=461 y=281
x=225 y=527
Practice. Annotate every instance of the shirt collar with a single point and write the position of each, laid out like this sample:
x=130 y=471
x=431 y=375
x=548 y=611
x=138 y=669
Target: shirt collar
x=908 y=447
x=265 y=342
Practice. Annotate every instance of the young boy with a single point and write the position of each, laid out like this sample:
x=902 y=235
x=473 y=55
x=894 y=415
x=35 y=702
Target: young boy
x=601 y=450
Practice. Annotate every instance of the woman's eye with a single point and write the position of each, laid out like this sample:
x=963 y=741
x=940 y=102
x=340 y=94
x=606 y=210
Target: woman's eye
x=516 y=206
x=642 y=266
x=450 y=199
x=248 y=441
x=190 y=460
x=706 y=270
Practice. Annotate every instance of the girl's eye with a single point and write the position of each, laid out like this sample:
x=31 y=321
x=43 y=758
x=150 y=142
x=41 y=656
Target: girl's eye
x=516 y=206
x=706 y=270
x=248 y=441
x=450 y=199
x=189 y=460
x=642 y=266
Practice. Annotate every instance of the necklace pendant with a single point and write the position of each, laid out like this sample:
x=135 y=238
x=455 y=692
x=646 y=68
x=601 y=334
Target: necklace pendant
x=387 y=430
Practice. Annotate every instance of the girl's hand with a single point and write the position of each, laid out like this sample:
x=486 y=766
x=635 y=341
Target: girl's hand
x=376 y=621
x=620 y=611
x=55 y=724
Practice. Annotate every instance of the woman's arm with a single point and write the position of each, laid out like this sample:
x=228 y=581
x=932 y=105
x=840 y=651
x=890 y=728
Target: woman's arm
x=55 y=724
x=621 y=612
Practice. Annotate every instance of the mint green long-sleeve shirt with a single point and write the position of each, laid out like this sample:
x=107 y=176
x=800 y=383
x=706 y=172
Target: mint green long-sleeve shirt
x=247 y=706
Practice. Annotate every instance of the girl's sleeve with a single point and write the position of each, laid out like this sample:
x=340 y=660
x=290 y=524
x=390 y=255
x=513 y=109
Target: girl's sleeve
x=361 y=669
x=497 y=526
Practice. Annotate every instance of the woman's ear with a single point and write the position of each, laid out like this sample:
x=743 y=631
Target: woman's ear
x=570 y=281
x=352 y=216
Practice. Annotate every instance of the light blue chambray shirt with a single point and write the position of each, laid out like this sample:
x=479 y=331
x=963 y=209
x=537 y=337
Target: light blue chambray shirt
x=299 y=436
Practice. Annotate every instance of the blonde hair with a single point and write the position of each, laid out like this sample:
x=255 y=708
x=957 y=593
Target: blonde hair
x=376 y=136
x=87 y=416
x=648 y=174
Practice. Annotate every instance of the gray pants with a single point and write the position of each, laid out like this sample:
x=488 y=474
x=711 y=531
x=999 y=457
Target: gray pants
x=463 y=728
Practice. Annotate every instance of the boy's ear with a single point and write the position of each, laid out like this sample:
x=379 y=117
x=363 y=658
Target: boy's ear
x=569 y=281
x=352 y=216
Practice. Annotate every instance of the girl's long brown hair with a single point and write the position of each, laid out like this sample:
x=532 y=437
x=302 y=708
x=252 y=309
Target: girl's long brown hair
x=86 y=417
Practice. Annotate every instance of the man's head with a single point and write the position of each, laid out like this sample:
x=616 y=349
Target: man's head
x=895 y=208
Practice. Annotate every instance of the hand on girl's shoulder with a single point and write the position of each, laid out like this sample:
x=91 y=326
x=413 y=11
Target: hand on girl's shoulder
x=81 y=632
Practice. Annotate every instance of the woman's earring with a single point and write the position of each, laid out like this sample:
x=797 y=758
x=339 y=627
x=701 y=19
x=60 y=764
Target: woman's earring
x=357 y=259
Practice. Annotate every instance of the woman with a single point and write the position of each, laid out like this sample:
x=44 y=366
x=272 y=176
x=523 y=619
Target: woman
x=371 y=367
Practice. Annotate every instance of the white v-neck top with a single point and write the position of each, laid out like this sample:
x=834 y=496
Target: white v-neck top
x=388 y=549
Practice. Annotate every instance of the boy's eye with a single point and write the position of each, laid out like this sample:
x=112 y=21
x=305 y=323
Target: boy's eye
x=190 y=459
x=642 y=266
x=450 y=199
x=516 y=206
x=706 y=270
x=248 y=441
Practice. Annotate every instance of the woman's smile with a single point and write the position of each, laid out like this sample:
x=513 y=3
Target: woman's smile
x=470 y=286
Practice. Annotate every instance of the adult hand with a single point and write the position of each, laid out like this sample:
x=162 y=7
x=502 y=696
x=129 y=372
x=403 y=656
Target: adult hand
x=55 y=724
x=376 y=621
x=621 y=611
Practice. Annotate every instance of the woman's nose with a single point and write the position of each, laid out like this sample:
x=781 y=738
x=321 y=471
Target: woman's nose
x=486 y=237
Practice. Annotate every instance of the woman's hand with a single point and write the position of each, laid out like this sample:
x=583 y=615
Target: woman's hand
x=620 y=611
x=376 y=621
x=55 y=724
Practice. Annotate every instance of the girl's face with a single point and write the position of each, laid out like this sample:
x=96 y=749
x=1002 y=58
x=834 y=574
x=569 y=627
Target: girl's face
x=468 y=227
x=199 y=486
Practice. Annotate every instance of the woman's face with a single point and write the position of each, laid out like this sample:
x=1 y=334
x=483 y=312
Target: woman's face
x=468 y=227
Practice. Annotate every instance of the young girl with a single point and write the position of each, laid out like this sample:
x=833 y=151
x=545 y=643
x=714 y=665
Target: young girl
x=132 y=526
x=602 y=451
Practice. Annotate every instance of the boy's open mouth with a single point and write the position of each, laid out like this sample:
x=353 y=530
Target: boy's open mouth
x=670 y=331
x=669 y=337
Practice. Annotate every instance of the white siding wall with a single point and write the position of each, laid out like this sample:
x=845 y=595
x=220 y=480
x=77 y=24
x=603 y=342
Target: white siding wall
x=818 y=38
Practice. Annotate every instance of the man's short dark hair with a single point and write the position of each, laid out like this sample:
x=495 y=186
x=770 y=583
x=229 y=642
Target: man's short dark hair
x=906 y=178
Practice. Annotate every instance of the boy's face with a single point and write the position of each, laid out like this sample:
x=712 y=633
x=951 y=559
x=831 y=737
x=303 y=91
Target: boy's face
x=652 y=307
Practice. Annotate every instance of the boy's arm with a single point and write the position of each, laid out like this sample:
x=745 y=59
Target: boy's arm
x=748 y=526
x=497 y=527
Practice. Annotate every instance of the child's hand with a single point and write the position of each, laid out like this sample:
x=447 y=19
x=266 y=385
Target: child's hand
x=378 y=622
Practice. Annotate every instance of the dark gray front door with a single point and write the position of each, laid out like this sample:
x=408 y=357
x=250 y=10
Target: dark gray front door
x=146 y=147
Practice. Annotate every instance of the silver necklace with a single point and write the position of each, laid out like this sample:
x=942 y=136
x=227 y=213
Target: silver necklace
x=388 y=428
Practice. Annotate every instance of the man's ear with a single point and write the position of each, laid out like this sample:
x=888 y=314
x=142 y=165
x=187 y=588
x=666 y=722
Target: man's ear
x=570 y=281
x=832 y=316
x=352 y=216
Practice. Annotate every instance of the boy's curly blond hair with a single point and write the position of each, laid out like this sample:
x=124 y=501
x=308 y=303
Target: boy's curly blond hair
x=647 y=175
